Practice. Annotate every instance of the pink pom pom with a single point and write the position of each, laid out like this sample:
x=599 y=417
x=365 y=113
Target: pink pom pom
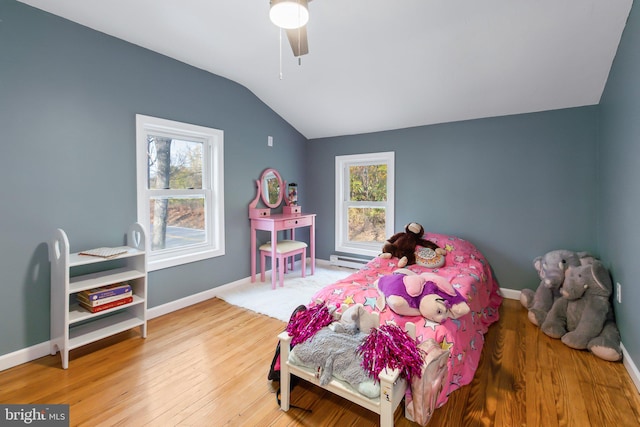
x=307 y=322
x=388 y=346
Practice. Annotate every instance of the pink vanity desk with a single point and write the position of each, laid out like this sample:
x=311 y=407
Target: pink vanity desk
x=279 y=222
x=270 y=189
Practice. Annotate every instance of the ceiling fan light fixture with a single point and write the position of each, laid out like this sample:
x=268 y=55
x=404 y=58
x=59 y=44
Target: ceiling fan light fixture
x=289 y=14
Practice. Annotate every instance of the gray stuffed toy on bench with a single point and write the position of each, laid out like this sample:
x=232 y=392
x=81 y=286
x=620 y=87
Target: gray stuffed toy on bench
x=333 y=350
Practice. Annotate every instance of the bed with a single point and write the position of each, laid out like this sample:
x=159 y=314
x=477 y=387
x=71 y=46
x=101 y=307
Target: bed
x=450 y=364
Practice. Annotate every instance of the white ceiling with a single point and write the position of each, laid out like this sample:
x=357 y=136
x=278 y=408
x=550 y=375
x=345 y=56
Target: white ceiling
x=383 y=64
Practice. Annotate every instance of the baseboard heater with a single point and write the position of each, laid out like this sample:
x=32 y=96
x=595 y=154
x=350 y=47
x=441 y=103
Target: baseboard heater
x=347 y=261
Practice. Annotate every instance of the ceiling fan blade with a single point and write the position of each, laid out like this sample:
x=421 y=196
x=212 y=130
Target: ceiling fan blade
x=298 y=41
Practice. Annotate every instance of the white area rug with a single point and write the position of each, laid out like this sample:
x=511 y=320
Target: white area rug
x=281 y=302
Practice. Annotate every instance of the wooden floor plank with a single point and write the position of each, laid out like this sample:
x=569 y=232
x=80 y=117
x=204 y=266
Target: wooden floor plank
x=207 y=365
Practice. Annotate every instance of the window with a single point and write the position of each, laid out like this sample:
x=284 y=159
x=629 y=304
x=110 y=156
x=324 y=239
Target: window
x=364 y=202
x=180 y=174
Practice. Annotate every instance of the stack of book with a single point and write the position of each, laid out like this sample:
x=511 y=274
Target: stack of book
x=105 y=297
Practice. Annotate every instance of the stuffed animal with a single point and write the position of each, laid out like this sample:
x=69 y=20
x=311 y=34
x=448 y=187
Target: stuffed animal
x=551 y=269
x=355 y=319
x=333 y=351
x=583 y=317
x=428 y=295
x=403 y=245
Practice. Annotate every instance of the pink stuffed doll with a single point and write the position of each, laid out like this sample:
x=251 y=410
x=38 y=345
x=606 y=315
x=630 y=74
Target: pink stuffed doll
x=427 y=295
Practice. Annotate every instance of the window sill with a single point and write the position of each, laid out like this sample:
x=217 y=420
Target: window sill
x=162 y=262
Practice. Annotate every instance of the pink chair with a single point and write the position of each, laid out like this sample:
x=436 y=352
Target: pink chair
x=285 y=249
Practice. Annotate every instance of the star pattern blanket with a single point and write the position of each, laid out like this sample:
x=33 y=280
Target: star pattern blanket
x=468 y=271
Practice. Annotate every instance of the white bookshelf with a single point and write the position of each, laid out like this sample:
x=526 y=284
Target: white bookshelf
x=72 y=326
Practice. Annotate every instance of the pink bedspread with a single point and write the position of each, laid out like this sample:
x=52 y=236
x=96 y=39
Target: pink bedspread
x=468 y=271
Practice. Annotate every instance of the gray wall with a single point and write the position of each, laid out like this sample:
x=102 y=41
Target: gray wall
x=68 y=99
x=516 y=186
x=619 y=165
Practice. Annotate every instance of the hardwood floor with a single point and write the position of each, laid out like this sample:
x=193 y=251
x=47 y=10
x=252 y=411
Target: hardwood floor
x=206 y=365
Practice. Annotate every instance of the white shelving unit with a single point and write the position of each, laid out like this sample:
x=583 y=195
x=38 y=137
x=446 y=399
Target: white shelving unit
x=71 y=325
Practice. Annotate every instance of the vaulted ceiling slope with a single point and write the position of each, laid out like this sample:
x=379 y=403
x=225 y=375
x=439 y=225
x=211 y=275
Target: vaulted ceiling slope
x=379 y=64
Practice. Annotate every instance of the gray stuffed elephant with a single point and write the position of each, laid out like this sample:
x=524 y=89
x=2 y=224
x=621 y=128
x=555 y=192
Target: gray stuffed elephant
x=583 y=317
x=551 y=270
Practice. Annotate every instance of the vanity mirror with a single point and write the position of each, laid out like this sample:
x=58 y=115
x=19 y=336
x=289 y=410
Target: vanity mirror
x=272 y=188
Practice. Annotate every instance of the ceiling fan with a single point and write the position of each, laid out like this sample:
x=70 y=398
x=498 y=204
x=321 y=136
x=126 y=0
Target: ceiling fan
x=292 y=16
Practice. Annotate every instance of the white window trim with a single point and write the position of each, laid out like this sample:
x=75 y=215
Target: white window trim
x=342 y=243
x=213 y=183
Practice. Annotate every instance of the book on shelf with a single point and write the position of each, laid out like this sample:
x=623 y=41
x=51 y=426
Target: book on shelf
x=81 y=298
x=105 y=291
x=106 y=252
x=112 y=304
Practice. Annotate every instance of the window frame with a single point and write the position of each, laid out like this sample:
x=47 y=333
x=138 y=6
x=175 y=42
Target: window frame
x=342 y=205
x=212 y=189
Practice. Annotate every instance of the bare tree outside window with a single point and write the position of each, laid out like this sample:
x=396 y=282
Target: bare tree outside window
x=175 y=164
x=180 y=190
x=159 y=165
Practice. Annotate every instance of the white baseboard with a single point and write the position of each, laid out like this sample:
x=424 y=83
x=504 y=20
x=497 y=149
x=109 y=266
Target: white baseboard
x=172 y=306
x=510 y=293
x=632 y=369
x=24 y=355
